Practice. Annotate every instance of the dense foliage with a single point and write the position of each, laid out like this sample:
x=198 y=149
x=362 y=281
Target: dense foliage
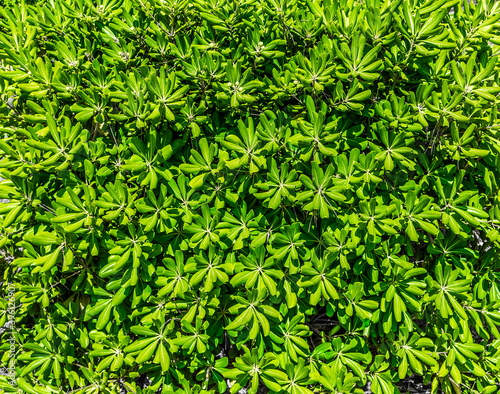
x=279 y=195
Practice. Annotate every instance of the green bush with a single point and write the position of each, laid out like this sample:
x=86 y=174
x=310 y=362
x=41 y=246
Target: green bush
x=286 y=196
